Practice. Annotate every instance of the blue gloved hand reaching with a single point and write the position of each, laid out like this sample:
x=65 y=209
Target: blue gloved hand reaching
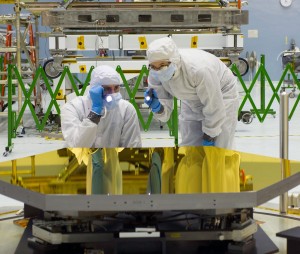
x=151 y=99
x=208 y=141
x=96 y=94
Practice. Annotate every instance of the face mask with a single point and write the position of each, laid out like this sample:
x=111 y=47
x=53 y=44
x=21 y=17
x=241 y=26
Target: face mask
x=111 y=100
x=166 y=73
x=154 y=75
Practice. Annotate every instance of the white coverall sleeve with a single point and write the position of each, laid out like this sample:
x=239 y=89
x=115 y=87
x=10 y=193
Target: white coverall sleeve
x=164 y=97
x=131 y=134
x=208 y=89
x=77 y=132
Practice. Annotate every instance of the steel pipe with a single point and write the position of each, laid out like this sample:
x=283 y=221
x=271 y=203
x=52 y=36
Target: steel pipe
x=284 y=146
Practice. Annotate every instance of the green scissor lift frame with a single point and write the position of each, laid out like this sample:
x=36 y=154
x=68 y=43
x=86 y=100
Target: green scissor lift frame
x=14 y=119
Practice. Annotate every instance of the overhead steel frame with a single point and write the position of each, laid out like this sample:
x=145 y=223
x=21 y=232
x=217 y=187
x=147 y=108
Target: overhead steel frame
x=115 y=22
x=144 y=16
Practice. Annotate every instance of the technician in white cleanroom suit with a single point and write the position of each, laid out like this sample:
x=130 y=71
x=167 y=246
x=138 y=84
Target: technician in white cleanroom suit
x=101 y=119
x=204 y=84
x=92 y=121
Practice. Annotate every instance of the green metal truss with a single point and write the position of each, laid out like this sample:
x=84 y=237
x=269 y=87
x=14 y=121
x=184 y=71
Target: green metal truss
x=14 y=119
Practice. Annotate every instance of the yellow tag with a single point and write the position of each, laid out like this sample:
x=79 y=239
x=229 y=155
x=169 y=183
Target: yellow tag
x=175 y=235
x=60 y=95
x=80 y=42
x=7 y=1
x=82 y=68
x=194 y=42
x=143 y=42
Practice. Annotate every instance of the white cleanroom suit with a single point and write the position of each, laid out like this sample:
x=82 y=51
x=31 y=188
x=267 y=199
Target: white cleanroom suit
x=118 y=128
x=206 y=87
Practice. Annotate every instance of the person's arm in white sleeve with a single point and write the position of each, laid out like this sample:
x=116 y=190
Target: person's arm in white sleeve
x=131 y=134
x=209 y=91
x=165 y=99
x=78 y=131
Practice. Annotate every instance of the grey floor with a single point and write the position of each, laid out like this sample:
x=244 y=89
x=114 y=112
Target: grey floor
x=257 y=138
x=272 y=223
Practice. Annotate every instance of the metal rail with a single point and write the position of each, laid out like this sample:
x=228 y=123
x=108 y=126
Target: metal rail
x=42 y=6
x=284 y=146
x=145 y=18
x=144 y=203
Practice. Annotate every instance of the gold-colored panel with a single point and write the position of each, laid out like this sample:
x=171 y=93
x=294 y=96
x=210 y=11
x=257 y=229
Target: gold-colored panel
x=146 y=170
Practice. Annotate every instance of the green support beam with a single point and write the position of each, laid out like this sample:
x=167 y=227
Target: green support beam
x=11 y=114
x=132 y=94
x=290 y=70
x=14 y=120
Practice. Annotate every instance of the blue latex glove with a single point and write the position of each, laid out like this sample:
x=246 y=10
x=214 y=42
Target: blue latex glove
x=151 y=99
x=96 y=94
x=208 y=143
